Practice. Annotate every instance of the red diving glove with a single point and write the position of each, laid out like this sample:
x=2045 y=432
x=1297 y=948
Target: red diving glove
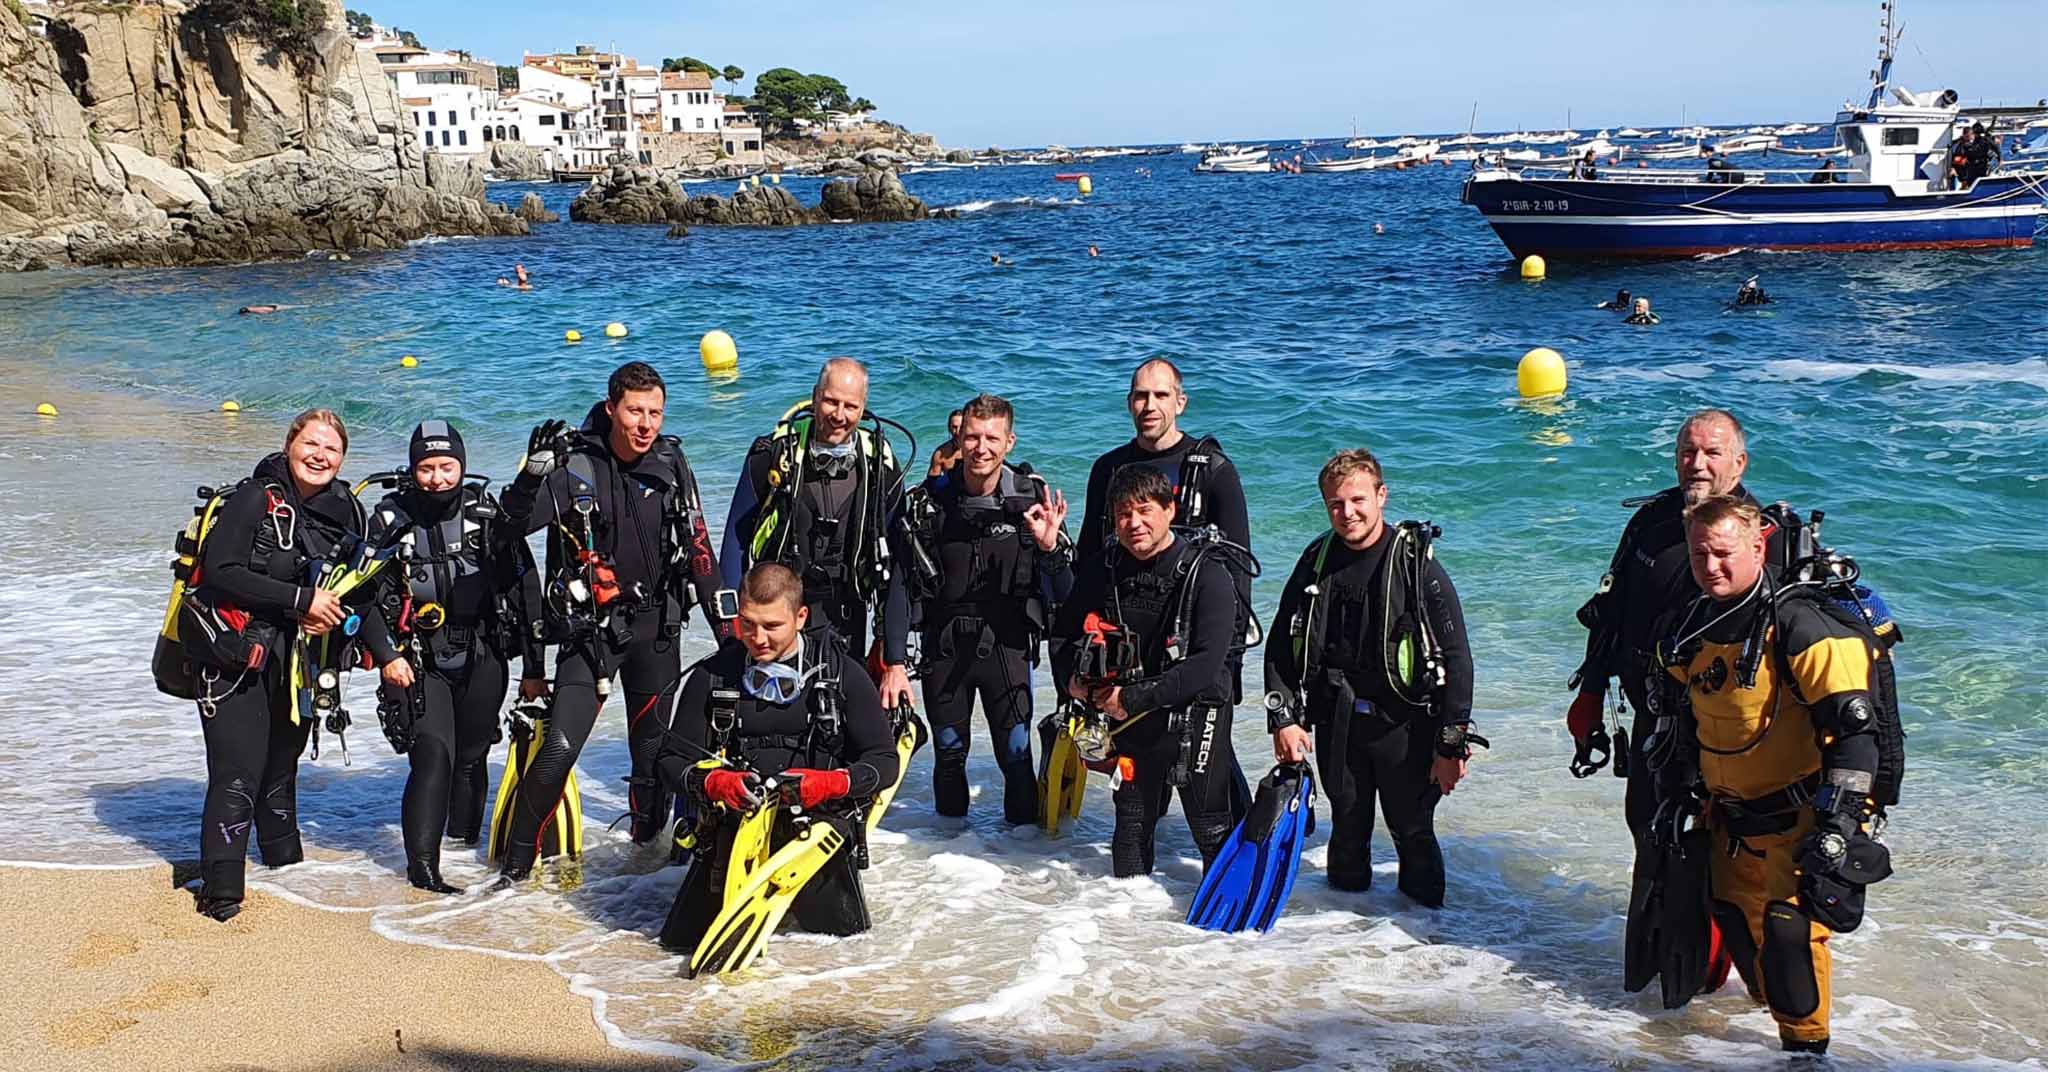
x=818 y=786
x=738 y=790
x=1586 y=714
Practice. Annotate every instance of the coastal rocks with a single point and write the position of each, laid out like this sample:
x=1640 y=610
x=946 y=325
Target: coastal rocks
x=519 y=163
x=678 y=231
x=132 y=135
x=960 y=156
x=643 y=195
x=630 y=195
x=533 y=210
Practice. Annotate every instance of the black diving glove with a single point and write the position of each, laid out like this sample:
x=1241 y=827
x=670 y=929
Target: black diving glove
x=546 y=449
x=1837 y=861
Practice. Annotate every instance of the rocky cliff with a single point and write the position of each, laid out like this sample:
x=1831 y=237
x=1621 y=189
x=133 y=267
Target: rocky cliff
x=134 y=134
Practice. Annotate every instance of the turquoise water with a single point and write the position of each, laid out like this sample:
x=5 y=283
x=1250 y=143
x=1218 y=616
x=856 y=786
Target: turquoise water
x=1905 y=394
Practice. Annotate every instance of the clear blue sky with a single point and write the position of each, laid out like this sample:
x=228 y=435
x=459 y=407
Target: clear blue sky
x=982 y=73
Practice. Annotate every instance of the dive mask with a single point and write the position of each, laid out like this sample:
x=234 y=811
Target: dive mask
x=776 y=683
x=832 y=460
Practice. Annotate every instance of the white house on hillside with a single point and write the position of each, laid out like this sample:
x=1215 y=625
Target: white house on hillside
x=689 y=105
x=444 y=93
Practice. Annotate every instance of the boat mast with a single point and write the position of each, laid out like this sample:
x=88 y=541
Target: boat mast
x=1886 y=45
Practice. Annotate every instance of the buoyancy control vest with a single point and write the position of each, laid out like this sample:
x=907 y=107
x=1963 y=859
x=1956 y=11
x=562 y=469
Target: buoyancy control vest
x=823 y=733
x=582 y=585
x=975 y=555
x=843 y=550
x=443 y=593
x=1380 y=626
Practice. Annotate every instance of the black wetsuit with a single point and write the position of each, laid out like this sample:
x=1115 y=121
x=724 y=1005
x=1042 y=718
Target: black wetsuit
x=769 y=739
x=828 y=537
x=257 y=561
x=650 y=528
x=454 y=552
x=1369 y=742
x=1218 y=501
x=996 y=593
x=1180 y=712
x=1652 y=577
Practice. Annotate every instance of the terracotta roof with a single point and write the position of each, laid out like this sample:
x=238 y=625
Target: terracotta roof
x=418 y=102
x=686 y=80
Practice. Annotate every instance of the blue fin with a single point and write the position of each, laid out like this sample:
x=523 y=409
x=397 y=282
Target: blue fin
x=1247 y=884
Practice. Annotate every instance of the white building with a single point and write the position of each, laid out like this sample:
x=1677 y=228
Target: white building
x=689 y=105
x=444 y=93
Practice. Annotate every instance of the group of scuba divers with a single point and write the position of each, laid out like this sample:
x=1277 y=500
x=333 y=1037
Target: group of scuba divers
x=765 y=764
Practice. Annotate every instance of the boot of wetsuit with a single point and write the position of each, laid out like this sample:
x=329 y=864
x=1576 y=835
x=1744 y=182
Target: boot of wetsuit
x=424 y=872
x=652 y=808
x=949 y=776
x=1020 y=778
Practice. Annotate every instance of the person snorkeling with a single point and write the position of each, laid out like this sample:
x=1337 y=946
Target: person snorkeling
x=1751 y=293
x=519 y=280
x=1641 y=314
x=780 y=740
x=462 y=601
x=1146 y=639
x=1620 y=304
x=990 y=560
x=259 y=310
x=1399 y=730
x=1772 y=772
x=628 y=556
x=259 y=584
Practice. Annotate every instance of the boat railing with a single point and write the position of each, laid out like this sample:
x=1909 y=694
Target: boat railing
x=1675 y=176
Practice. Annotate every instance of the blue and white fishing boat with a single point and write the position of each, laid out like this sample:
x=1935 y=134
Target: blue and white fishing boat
x=1894 y=193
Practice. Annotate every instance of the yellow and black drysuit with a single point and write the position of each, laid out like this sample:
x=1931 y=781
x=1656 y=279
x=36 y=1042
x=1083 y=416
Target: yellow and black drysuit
x=1775 y=691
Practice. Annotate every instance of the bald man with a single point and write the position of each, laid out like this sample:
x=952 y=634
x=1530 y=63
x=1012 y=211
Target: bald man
x=821 y=495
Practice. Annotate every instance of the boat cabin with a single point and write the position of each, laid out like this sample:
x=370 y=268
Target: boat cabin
x=1904 y=145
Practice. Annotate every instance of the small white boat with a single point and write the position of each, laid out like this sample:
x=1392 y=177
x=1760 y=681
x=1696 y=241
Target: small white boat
x=1242 y=161
x=1362 y=143
x=1466 y=139
x=1747 y=143
x=1192 y=149
x=1631 y=132
x=1670 y=150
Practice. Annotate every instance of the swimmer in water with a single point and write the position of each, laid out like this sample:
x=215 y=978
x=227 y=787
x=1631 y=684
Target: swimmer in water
x=1751 y=293
x=996 y=260
x=257 y=310
x=1620 y=304
x=1379 y=228
x=1092 y=251
x=519 y=280
x=1642 y=314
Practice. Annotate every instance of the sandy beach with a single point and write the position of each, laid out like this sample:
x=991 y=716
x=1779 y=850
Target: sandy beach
x=113 y=969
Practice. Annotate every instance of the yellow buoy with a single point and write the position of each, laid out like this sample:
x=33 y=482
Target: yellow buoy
x=718 y=352
x=231 y=406
x=775 y=179
x=408 y=361
x=615 y=330
x=46 y=410
x=572 y=335
x=1540 y=374
x=1086 y=185
x=1532 y=267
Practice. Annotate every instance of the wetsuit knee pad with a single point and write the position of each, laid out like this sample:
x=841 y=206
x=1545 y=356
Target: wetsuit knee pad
x=1787 y=961
x=1734 y=927
x=950 y=738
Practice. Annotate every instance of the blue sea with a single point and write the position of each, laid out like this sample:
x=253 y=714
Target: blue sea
x=1905 y=394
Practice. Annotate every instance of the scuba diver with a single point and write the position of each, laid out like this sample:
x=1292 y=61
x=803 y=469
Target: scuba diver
x=628 y=555
x=1207 y=493
x=780 y=741
x=989 y=562
x=1647 y=578
x=258 y=593
x=1751 y=293
x=1641 y=313
x=1620 y=304
x=1368 y=650
x=1146 y=639
x=822 y=495
x=1778 y=749
x=460 y=599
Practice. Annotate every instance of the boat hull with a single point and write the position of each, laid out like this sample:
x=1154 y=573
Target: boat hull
x=1571 y=218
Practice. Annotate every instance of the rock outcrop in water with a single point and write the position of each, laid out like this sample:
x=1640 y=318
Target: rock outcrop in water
x=644 y=195
x=132 y=134
x=533 y=210
x=515 y=162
